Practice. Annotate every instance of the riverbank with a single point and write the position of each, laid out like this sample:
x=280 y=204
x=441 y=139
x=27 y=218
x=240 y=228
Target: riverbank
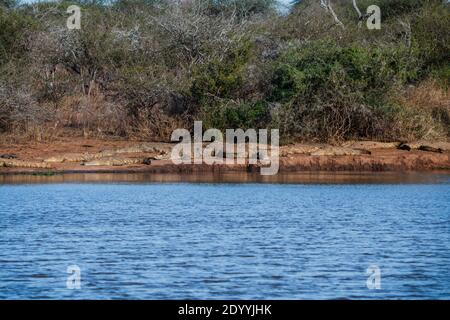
x=78 y=155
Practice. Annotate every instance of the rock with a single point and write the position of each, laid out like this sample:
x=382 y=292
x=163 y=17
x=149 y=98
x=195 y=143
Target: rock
x=404 y=146
x=147 y=161
x=8 y=156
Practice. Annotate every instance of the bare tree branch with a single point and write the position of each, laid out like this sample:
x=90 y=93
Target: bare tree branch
x=327 y=5
x=355 y=5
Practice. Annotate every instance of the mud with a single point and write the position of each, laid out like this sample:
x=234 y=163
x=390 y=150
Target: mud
x=92 y=155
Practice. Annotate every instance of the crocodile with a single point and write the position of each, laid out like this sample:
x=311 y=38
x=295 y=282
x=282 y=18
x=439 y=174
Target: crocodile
x=115 y=162
x=298 y=149
x=369 y=145
x=340 y=151
x=159 y=150
x=14 y=163
x=438 y=147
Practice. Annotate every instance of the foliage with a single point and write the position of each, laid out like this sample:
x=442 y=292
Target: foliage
x=139 y=69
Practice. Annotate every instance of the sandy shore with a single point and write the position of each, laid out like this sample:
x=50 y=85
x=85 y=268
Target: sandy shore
x=114 y=156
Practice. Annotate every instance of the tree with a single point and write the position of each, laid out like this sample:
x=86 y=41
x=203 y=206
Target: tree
x=327 y=5
x=8 y=3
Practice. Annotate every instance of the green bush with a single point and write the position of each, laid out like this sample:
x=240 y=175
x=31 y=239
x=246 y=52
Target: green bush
x=431 y=36
x=148 y=66
x=395 y=8
x=442 y=75
x=310 y=70
x=338 y=92
x=241 y=8
x=236 y=115
x=220 y=78
x=14 y=26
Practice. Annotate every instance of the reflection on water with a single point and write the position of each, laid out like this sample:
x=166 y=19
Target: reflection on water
x=292 y=178
x=134 y=239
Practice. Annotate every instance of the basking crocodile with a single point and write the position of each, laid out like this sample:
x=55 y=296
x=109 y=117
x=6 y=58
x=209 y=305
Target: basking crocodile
x=114 y=162
x=339 y=151
x=439 y=147
x=158 y=149
x=13 y=163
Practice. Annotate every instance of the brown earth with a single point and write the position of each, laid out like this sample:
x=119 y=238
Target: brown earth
x=79 y=155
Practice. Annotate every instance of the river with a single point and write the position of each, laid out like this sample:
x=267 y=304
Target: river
x=169 y=237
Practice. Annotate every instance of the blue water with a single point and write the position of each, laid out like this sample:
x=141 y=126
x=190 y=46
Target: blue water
x=224 y=241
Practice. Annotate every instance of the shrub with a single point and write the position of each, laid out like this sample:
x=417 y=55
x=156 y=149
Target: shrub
x=14 y=26
x=231 y=115
x=337 y=93
x=241 y=8
x=141 y=68
x=395 y=8
x=424 y=112
x=220 y=78
x=431 y=36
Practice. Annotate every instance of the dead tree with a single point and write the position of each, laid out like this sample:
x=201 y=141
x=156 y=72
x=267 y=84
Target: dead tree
x=326 y=4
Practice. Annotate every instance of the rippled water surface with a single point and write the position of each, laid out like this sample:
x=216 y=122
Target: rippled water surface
x=225 y=241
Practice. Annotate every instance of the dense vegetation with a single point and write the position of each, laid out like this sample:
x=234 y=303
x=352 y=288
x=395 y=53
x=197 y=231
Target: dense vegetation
x=141 y=68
